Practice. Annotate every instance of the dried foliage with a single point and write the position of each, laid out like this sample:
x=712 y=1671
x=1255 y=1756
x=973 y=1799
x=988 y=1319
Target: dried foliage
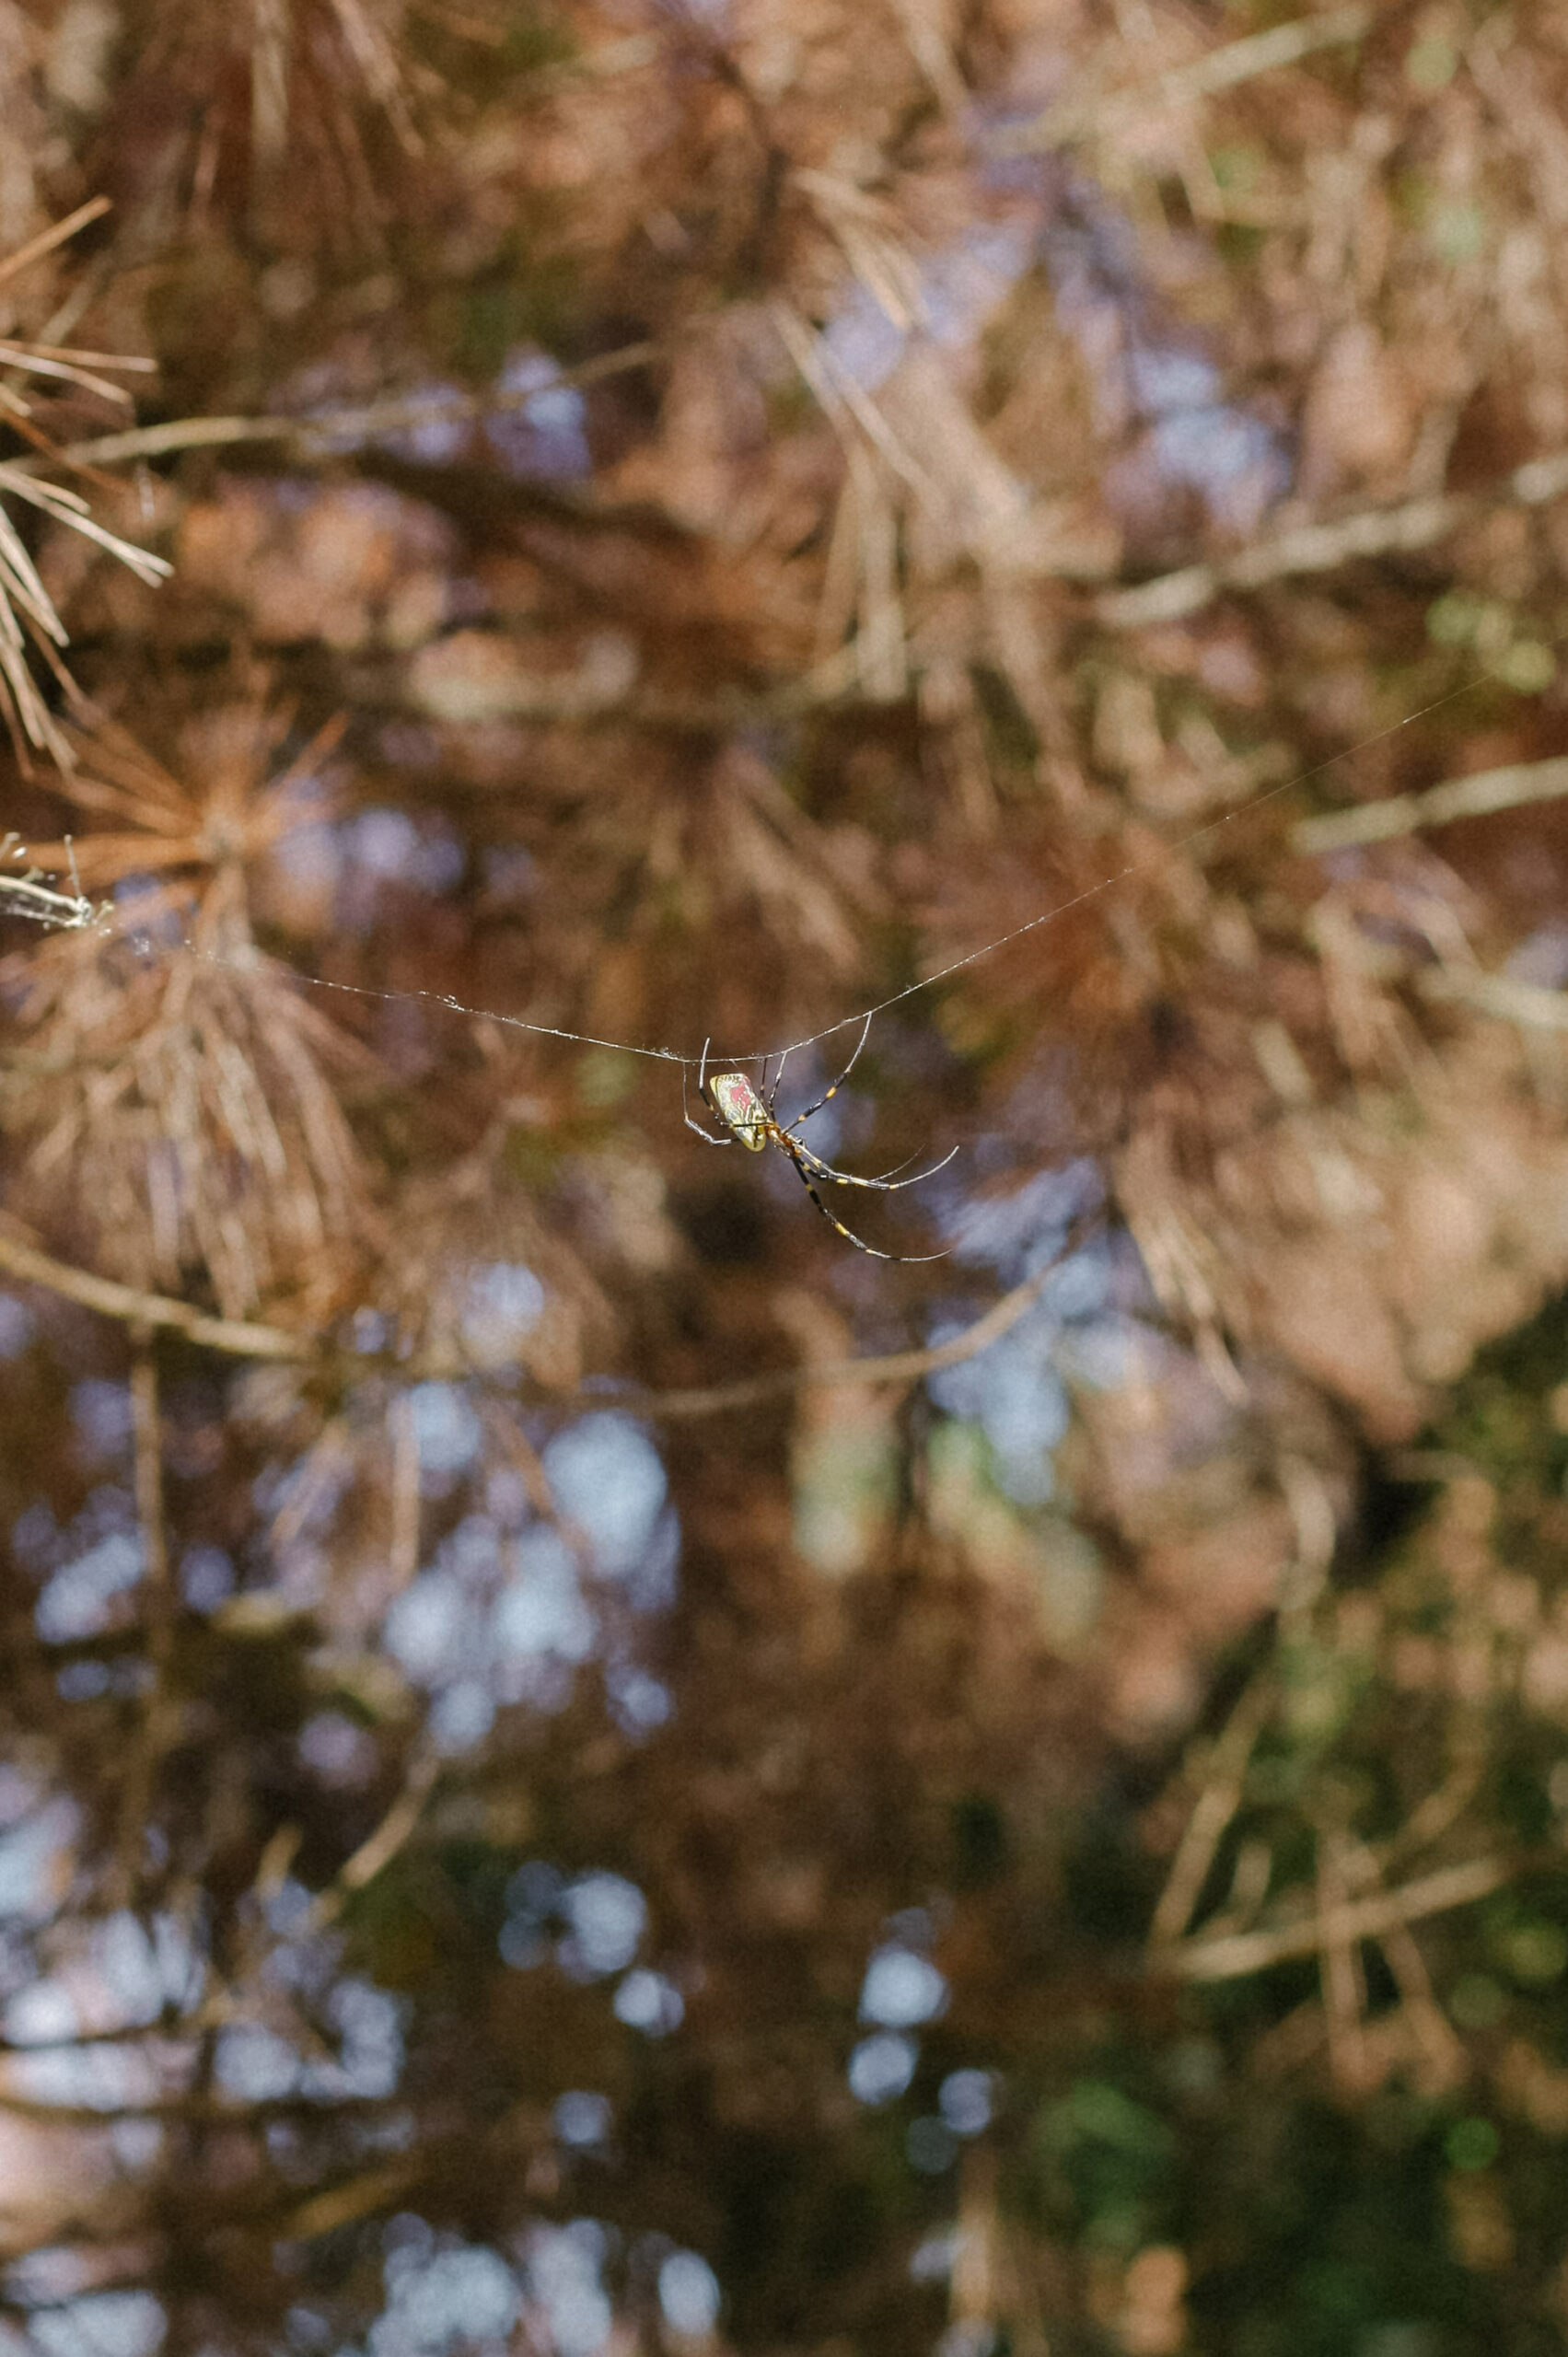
x=233 y=111
x=30 y=628
x=591 y=1755
x=175 y=1099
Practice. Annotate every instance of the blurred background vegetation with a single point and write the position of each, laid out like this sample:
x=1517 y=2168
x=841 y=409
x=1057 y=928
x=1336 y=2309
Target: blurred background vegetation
x=586 y=1766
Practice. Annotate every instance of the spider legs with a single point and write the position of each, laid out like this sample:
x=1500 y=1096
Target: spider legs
x=696 y=1127
x=768 y=1090
x=888 y=1185
x=828 y=1093
x=747 y=1113
x=798 y=1156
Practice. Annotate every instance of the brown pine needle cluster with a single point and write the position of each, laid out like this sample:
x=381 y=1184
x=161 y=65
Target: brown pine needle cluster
x=177 y=1098
x=30 y=628
x=274 y=99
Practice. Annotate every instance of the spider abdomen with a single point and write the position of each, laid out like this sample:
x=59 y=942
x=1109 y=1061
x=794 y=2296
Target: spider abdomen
x=739 y=1108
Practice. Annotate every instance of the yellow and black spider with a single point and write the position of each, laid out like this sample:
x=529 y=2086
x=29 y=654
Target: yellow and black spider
x=748 y=1115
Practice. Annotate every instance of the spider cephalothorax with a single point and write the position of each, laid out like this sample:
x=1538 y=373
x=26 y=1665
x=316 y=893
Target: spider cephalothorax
x=748 y=1117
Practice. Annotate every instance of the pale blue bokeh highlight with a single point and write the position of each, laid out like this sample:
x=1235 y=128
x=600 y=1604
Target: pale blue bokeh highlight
x=607 y=1480
x=901 y=1988
x=646 y=2000
x=440 y=2299
x=207 y=1577
x=33 y=1851
x=1016 y=1390
x=606 y=1917
x=542 y=1609
x=966 y=2100
x=547 y=437
x=101 y=1413
x=582 y=2119
x=689 y=2294
x=78 y=1601
x=447 y=1428
x=503 y=1303
x=258 y=2064
x=882 y=2066
x=505 y=1617
x=18 y=1327
x=100 y=2324
x=563 y=2272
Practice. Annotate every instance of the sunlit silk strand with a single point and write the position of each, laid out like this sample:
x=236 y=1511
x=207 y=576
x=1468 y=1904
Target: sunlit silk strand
x=910 y=990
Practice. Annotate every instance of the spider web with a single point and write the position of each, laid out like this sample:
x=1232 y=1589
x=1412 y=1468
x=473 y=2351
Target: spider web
x=865 y=1014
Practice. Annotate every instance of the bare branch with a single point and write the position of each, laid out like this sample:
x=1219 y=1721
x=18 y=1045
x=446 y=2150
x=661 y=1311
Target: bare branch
x=1222 y=69
x=1341 y=1972
x=380 y=1848
x=1215 y=1806
x=1476 y=797
x=1371 y=1918
x=1306 y=548
x=899 y=1366
x=1318 y=548
x=554 y=702
x=209 y=2111
x=158 y=1617
x=110 y=1299
x=344 y=2205
x=1430 y=2027
x=55 y=235
x=330 y=429
x=1526 y=1004
x=240 y=1339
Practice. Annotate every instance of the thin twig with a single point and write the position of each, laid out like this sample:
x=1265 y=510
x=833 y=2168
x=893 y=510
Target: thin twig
x=209 y=2110
x=157 y=1618
x=1215 y=1806
x=1430 y=2027
x=1443 y=1808
x=1306 y=548
x=403 y=1535
x=345 y=2204
x=378 y=1849
x=1341 y=1974
x=110 y=1299
x=239 y=1339
x=555 y=701
x=55 y=235
x=1358 y=1918
x=899 y=1366
x=1318 y=548
x=840 y=398
x=335 y=426
x=1476 y=797
x=1221 y=69
x=1528 y=1005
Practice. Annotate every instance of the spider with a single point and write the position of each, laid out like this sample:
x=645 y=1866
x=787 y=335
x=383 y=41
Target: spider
x=748 y=1115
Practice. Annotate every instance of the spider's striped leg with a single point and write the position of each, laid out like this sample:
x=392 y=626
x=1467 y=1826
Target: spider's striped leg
x=792 y=1146
x=837 y=1085
x=696 y=1127
x=885 y=1186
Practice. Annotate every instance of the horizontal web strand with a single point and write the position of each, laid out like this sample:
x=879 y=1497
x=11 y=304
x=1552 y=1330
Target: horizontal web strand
x=910 y=990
